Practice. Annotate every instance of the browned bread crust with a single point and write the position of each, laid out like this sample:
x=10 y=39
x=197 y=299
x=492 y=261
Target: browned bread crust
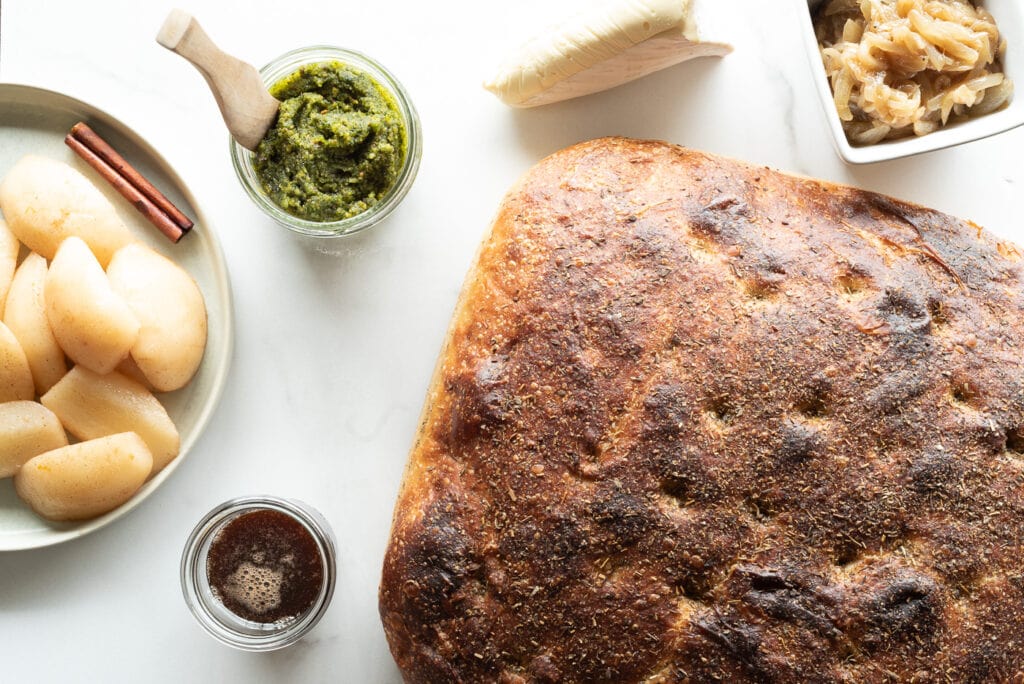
x=701 y=421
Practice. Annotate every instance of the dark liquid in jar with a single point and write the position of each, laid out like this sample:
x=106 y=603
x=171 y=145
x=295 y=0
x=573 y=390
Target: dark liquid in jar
x=265 y=566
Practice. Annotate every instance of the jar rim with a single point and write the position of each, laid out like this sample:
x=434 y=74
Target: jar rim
x=242 y=158
x=205 y=607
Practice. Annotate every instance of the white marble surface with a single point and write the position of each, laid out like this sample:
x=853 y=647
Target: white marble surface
x=336 y=340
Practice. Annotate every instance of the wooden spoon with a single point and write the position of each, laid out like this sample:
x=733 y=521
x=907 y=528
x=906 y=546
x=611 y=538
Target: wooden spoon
x=248 y=109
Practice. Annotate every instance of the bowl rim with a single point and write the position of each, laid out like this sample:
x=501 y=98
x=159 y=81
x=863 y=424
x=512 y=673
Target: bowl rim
x=984 y=126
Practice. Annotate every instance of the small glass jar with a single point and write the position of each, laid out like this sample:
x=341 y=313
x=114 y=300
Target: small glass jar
x=284 y=66
x=207 y=607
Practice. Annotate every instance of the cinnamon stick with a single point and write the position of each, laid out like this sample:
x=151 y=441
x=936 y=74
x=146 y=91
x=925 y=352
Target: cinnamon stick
x=149 y=201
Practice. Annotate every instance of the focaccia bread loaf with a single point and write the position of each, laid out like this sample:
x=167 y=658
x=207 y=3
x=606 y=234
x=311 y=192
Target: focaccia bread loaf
x=697 y=420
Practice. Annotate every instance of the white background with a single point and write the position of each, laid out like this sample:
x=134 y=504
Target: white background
x=336 y=340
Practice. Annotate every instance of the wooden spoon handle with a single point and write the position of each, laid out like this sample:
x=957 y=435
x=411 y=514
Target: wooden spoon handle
x=248 y=109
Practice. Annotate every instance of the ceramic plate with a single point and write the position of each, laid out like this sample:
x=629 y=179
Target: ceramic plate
x=35 y=120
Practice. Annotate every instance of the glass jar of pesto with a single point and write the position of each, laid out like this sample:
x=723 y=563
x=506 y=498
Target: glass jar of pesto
x=345 y=148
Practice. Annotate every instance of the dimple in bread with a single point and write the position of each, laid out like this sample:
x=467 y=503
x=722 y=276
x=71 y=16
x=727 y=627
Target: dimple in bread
x=701 y=421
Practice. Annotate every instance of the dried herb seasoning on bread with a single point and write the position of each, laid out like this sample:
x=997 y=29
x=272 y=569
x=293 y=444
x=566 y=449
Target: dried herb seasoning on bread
x=697 y=420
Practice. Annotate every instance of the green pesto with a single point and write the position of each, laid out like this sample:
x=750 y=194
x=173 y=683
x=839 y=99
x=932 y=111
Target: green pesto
x=337 y=146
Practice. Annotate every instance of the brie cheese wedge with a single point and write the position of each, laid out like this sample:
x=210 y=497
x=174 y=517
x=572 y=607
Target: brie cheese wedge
x=613 y=43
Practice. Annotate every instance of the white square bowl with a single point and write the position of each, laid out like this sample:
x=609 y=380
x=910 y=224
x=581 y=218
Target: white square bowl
x=1009 y=16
